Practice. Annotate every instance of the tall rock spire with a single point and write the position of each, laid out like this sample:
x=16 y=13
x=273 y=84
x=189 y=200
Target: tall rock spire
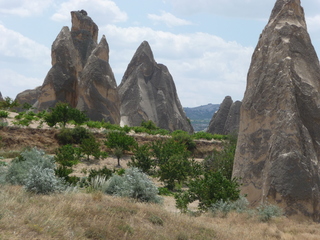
x=278 y=151
x=80 y=73
x=148 y=92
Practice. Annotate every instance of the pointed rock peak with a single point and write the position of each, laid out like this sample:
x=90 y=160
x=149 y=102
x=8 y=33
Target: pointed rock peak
x=143 y=50
x=81 y=21
x=288 y=11
x=102 y=50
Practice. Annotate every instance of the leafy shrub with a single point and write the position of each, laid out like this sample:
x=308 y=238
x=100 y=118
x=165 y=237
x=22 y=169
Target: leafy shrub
x=224 y=207
x=149 y=125
x=142 y=159
x=268 y=211
x=94 y=124
x=208 y=189
x=203 y=135
x=222 y=160
x=103 y=172
x=133 y=184
x=43 y=181
x=184 y=138
x=8 y=103
x=72 y=136
x=164 y=191
x=3 y=114
x=67 y=155
x=90 y=147
x=19 y=168
x=3 y=124
x=63 y=113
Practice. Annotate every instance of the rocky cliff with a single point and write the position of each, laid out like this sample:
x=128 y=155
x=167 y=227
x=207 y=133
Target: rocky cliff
x=28 y=96
x=226 y=119
x=80 y=73
x=278 y=151
x=147 y=92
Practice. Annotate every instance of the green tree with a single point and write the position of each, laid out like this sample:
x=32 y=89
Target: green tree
x=208 y=189
x=119 y=142
x=90 y=147
x=142 y=158
x=63 y=113
x=8 y=103
x=149 y=125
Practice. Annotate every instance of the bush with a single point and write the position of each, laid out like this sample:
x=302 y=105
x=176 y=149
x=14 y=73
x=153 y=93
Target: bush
x=142 y=159
x=203 y=135
x=224 y=207
x=268 y=211
x=149 y=125
x=3 y=114
x=184 y=138
x=67 y=155
x=103 y=172
x=208 y=189
x=43 y=181
x=90 y=147
x=72 y=136
x=19 y=168
x=133 y=184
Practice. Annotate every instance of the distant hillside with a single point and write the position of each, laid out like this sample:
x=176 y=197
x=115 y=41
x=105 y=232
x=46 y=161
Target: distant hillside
x=201 y=116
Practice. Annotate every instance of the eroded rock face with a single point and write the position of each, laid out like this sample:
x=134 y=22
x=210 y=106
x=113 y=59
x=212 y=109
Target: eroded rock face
x=232 y=123
x=277 y=156
x=28 y=96
x=147 y=92
x=80 y=73
x=218 y=121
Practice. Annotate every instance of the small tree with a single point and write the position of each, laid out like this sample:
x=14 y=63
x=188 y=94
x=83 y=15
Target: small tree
x=142 y=158
x=119 y=142
x=63 y=113
x=90 y=147
x=8 y=103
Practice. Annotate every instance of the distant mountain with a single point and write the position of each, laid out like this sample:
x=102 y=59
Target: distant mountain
x=201 y=116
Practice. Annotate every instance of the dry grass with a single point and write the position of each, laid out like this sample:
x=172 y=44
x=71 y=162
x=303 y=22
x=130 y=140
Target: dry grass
x=97 y=216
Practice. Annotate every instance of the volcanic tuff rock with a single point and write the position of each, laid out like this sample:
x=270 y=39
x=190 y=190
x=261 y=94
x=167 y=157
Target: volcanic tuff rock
x=226 y=119
x=278 y=151
x=147 y=92
x=28 y=96
x=80 y=73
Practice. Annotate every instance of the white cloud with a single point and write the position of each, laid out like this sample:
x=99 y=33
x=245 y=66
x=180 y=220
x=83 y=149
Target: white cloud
x=104 y=11
x=205 y=67
x=14 y=44
x=23 y=8
x=13 y=82
x=169 y=19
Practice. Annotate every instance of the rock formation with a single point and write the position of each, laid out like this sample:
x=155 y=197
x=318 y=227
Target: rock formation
x=80 y=73
x=147 y=92
x=226 y=119
x=278 y=151
x=232 y=123
x=28 y=96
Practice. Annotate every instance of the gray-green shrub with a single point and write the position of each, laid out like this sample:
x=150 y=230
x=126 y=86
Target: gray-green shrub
x=19 y=168
x=268 y=211
x=43 y=181
x=134 y=184
x=224 y=207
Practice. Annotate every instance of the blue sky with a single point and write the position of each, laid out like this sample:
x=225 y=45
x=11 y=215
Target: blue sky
x=206 y=44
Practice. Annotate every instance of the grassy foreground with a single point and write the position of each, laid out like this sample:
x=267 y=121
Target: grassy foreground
x=98 y=216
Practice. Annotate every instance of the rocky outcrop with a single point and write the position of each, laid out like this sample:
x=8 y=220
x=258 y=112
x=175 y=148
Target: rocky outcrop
x=148 y=92
x=278 y=151
x=226 y=119
x=28 y=96
x=232 y=123
x=80 y=73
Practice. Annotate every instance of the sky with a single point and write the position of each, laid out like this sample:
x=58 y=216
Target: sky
x=206 y=44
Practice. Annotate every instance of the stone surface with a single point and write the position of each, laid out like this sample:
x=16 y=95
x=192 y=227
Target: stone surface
x=277 y=156
x=148 y=92
x=232 y=123
x=219 y=118
x=28 y=96
x=80 y=73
